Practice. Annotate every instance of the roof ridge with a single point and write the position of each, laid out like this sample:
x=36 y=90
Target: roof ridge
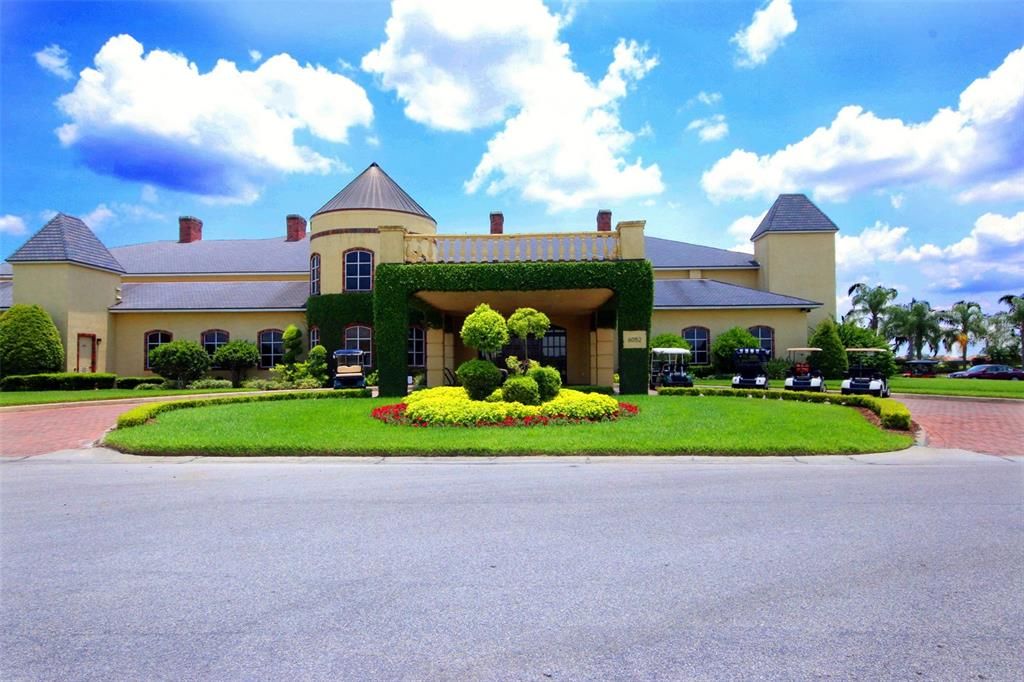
x=66 y=238
x=794 y=213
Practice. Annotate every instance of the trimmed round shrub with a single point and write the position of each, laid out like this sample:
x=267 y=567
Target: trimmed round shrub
x=484 y=329
x=521 y=390
x=669 y=340
x=479 y=377
x=29 y=342
x=549 y=381
x=316 y=365
x=237 y=356
x=180 y=361
x=726 y=343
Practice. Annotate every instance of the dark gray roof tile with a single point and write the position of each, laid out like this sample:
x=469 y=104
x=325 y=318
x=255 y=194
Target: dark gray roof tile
x=794 y=213
x=709 y=293
x=6 y=294
x=668 y=253
x=66 y=238
x=373 y=189
x=212 y=296
x=215 y=256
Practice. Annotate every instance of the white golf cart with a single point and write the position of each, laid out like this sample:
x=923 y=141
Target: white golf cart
x=864 y=379
x=800 y=376
x=669 y=368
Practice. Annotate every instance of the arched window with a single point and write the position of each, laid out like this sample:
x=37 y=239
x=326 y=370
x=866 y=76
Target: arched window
x=314 y=336
x=360 y=337
x=212 y=339
x=765 y=338
x=156 y=338
x=314 y=274
x=271 y=342
x=699 y=339
x=358 y=265
x=417 y=348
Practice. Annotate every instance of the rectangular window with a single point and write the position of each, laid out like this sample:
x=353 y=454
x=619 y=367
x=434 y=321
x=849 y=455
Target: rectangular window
x=358 y=270
x=271 y=348
x=417 y=347
x=155 y=339
x=699 y=339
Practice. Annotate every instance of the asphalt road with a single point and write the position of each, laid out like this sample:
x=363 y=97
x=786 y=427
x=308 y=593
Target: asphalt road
x=905 y=566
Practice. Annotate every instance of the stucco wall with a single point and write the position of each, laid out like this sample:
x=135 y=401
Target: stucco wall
x=801 y=265
x=130 y=331
x=790 y=325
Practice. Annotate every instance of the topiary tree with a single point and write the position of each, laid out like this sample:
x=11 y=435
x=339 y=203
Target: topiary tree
x=669 y=340
x=29 y=342
x=484 y=329
x=237 y=356
x=521 y=390
x=292 y=341
x=527 y=322
x=549 y=381
x=179 y=361
x=316 y=364
x=831 y=360
x=725 y=343
x=479 y=378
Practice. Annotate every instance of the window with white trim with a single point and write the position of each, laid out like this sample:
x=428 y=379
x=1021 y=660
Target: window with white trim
x=360 y=337
x=271 y=342
x=765 y=338
x=417 y=348
x=314 y=336
x=359 y=270
x=212 y=339
x=156 y=339
x=314 y=274
x=699 y=339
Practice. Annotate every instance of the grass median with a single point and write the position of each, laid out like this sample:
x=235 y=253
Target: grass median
x=11 y=398
x=968 y=388
x=665 y=426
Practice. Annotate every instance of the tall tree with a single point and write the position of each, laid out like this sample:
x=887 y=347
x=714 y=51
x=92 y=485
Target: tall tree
x=963 y=324
x=914 y=324
x=871 y=302
x=1016 y=315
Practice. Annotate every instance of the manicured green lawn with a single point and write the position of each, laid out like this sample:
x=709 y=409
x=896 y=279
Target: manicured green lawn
x=43 y=397
x=665 y=425
x=978 y=388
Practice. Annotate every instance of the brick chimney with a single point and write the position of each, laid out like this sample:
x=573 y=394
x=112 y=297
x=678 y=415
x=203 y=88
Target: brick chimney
x=604 y=220
x=296 y=227
x=190 y=229
x=497 y=222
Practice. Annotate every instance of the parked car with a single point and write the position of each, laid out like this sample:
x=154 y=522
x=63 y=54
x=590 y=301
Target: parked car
x=990 y=372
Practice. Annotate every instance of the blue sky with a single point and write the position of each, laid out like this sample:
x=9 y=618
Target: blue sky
x=902 y=121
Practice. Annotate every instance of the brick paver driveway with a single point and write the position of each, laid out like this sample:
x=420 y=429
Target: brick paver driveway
x=36 y=431
x=992 y=427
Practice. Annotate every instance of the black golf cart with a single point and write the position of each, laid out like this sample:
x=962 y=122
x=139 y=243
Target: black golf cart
x=921 y=369
x=348 y=369
x=800 y=376
x=669 y=367
x=751 y=368
x=862 y=378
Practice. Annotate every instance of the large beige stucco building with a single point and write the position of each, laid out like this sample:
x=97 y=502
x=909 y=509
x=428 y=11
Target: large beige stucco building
x=112 y=305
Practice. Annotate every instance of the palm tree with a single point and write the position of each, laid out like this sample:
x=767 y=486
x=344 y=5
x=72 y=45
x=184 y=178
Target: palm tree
x=964 y=324
x=1016 y=316
x=870 y=302
x=914 y=324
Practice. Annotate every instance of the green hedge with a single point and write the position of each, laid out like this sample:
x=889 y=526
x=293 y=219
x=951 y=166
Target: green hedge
x=893 y=414
x=143 y=413
x=632 y=282
x=606 y=390
x=58 y=381
x=132 y=382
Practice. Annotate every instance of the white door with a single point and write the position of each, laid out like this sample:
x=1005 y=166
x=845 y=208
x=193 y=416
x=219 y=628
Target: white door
x=86 y=353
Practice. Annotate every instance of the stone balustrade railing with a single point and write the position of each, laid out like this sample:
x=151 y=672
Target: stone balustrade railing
x=498 y=248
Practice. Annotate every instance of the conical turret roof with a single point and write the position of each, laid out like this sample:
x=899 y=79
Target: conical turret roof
x=794 y=213
x=373 y=189
x=66 y=238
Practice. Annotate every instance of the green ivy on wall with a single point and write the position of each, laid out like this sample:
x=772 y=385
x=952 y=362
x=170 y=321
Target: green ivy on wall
x=331 y=313
x=632 y=281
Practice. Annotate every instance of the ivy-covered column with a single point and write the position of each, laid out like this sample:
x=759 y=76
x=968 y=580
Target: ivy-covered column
x=391 y=329
x=636 y=304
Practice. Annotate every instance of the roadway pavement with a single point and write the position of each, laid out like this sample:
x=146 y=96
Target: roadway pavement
x=897 y=566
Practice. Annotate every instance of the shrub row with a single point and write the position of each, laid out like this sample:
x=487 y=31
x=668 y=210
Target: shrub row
x=72 y=381
x=143 y=413
x=893 y=414
x=132 y=382
x=606 y=390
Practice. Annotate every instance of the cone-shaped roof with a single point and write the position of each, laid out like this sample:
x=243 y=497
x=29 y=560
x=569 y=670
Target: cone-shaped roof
x=794 y=213
x=373 y=189
x=66 y=238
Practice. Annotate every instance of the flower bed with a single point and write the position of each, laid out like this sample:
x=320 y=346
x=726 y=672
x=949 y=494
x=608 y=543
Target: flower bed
x=451 y=406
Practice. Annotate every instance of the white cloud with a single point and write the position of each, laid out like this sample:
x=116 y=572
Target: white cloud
x=461 y=67
x=711 y=128
x=976 y=147
x=648 y=202
x=12 y=225
x=149 y=194
x=54 y=58
x=741 y=229
x=222 y=134
x=896 y=200
x=646 y=130
x=98 y=217
x=709 y=98
x=674 y=205
x=766 y=32
x=373 y=140
x=256 y=56
x=345 y=66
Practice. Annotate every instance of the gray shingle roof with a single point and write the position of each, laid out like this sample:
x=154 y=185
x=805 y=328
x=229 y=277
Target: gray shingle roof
x=66 y=238
x=6 y=270
x=374 y=189
x=794 y=213
x=215 y=255
x=6 y=295
x=668 y=253
x=709 y=293
x=212 y=296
